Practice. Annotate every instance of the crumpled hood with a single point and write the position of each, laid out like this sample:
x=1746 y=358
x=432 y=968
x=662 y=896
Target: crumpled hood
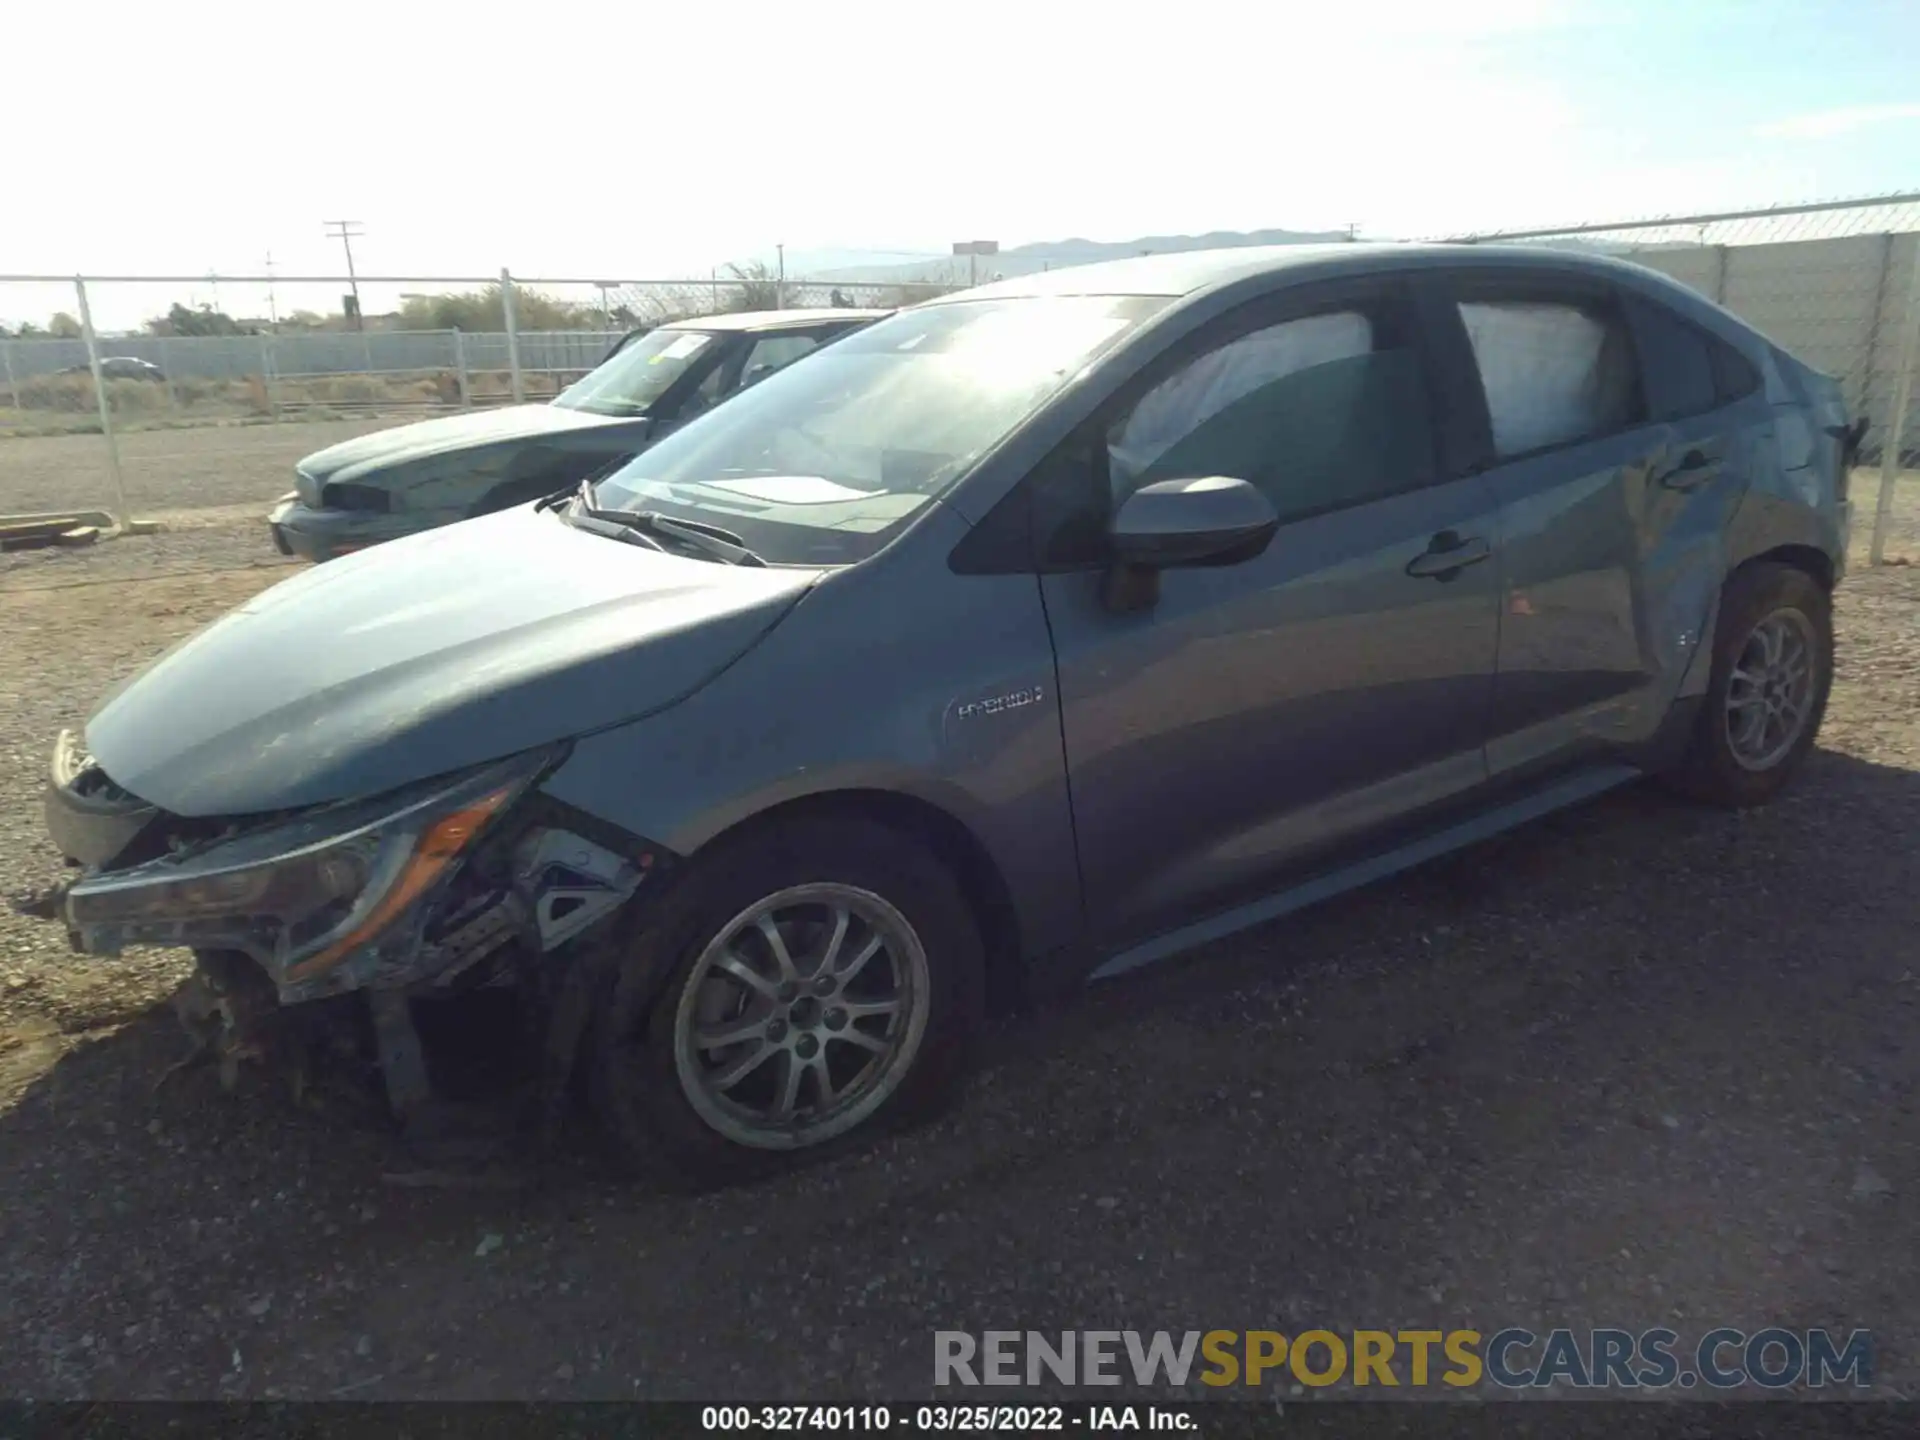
x=404 y=444
x=424 y=656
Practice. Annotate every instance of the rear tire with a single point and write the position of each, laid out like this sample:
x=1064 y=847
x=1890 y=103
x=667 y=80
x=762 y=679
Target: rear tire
x=1767 y=693
x=823 y=982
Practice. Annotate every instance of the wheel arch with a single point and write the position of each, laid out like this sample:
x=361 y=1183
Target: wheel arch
x=1817 y=563
x=952 y=842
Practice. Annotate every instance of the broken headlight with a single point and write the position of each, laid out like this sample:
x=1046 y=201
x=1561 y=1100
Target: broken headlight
x=324 y=900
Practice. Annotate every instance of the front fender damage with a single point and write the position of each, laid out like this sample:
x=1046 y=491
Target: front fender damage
x=525 y=921
x=531 y=919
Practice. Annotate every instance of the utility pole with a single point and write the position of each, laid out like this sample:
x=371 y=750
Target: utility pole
x=273 y=306
x=780 y=287
x=344 y=231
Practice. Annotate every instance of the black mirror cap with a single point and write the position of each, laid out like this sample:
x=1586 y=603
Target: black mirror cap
x=1211 y=520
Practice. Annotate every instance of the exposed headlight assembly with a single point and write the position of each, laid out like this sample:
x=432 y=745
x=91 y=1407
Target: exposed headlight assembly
x=323 y=901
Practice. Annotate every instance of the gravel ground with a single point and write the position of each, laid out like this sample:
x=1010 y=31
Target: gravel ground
x=210 y=488
x=1637 y=1064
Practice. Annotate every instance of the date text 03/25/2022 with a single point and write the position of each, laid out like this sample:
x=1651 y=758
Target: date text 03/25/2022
x=1019 y=1419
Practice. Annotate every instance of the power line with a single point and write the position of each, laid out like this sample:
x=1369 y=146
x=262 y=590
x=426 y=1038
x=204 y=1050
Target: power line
x=344 y=231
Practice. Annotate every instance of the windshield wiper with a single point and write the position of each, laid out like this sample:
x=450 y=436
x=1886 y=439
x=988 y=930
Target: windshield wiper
x=613 y=529
x=708 y=539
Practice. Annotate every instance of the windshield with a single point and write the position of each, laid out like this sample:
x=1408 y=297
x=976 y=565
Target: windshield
x=639 y=375
x=821 y=463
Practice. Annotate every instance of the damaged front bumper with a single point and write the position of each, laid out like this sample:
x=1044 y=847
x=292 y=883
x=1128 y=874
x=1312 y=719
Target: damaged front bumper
x=331 y=899
x=401 y=896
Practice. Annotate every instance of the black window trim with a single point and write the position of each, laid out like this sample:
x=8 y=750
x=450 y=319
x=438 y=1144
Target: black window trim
x=1563 y=287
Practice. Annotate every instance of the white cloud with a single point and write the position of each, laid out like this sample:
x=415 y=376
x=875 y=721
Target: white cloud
x=1826 y=124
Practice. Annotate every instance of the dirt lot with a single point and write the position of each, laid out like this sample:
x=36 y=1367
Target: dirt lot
x=1639 y=1064
x=166 y=470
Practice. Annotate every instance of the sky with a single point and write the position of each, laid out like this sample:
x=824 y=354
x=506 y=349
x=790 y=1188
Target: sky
x=640 y=141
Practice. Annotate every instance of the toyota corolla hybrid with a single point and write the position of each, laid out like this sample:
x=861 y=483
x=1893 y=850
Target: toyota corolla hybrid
x=1026 y=636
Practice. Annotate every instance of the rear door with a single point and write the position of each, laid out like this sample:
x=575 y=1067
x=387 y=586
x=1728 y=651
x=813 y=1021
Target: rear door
x=1616 y=466
x=1263 y=714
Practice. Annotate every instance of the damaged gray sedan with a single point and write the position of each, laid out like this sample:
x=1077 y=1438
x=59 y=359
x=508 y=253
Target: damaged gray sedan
x=1025 y=637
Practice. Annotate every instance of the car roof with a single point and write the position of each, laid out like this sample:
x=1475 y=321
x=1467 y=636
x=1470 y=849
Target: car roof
x=1190 y=272
x=773 y=319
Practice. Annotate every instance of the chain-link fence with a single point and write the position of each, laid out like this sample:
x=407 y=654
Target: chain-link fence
x=1836 y=284
x=126 y=352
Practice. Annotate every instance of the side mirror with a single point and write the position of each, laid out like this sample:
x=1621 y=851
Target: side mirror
x=1216 y=520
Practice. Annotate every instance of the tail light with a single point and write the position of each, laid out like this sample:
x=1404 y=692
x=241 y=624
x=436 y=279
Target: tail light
x=1850 y=438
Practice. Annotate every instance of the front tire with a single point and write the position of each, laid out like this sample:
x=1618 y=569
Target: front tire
x=1772 y=671
x=823 y=980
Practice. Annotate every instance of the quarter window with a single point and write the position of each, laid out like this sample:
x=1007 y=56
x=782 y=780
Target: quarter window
x=1553 y=372
x=1734 y=375
x=1676 y=362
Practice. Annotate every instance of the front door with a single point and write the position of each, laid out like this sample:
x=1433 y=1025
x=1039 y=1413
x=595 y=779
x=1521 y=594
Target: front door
x=1261 y=715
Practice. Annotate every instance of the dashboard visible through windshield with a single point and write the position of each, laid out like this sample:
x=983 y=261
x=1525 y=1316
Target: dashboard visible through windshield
x=823 y=462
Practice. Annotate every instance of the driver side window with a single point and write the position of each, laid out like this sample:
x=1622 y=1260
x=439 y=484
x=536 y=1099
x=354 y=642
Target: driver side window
x=1320 y=412
x=774 y=352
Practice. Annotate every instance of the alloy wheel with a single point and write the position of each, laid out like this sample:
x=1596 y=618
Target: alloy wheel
x=1770 y=690
x=801 y=1016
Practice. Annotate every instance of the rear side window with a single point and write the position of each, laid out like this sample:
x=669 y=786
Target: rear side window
x=1676 y=363
x=1554 y=372
x=1320 y=412
x=1733 y=374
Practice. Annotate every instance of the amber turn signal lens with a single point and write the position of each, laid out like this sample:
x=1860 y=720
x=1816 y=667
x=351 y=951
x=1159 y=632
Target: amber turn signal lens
x=438 y=847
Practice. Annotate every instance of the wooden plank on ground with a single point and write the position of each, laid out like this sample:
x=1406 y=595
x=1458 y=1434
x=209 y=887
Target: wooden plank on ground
x=32 y=534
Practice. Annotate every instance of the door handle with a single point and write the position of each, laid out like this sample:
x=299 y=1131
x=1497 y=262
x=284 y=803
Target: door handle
x=1695 y=469
x=1447 y=554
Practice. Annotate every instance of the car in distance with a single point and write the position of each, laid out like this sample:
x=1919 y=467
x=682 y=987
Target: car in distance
x=1025 y=637
x=415 y=477
x=121 y=367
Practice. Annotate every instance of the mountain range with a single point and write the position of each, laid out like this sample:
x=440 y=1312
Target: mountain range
x=885 y=268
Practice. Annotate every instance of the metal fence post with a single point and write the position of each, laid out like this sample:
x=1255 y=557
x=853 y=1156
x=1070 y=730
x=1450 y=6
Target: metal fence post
x=460 y=368
x=1883 y=277
x=1902 y=402
x=1722 y=258
x=513 y=336
x=268 y=381
x=120 y=515
x=13 y=385
x=166 y=376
